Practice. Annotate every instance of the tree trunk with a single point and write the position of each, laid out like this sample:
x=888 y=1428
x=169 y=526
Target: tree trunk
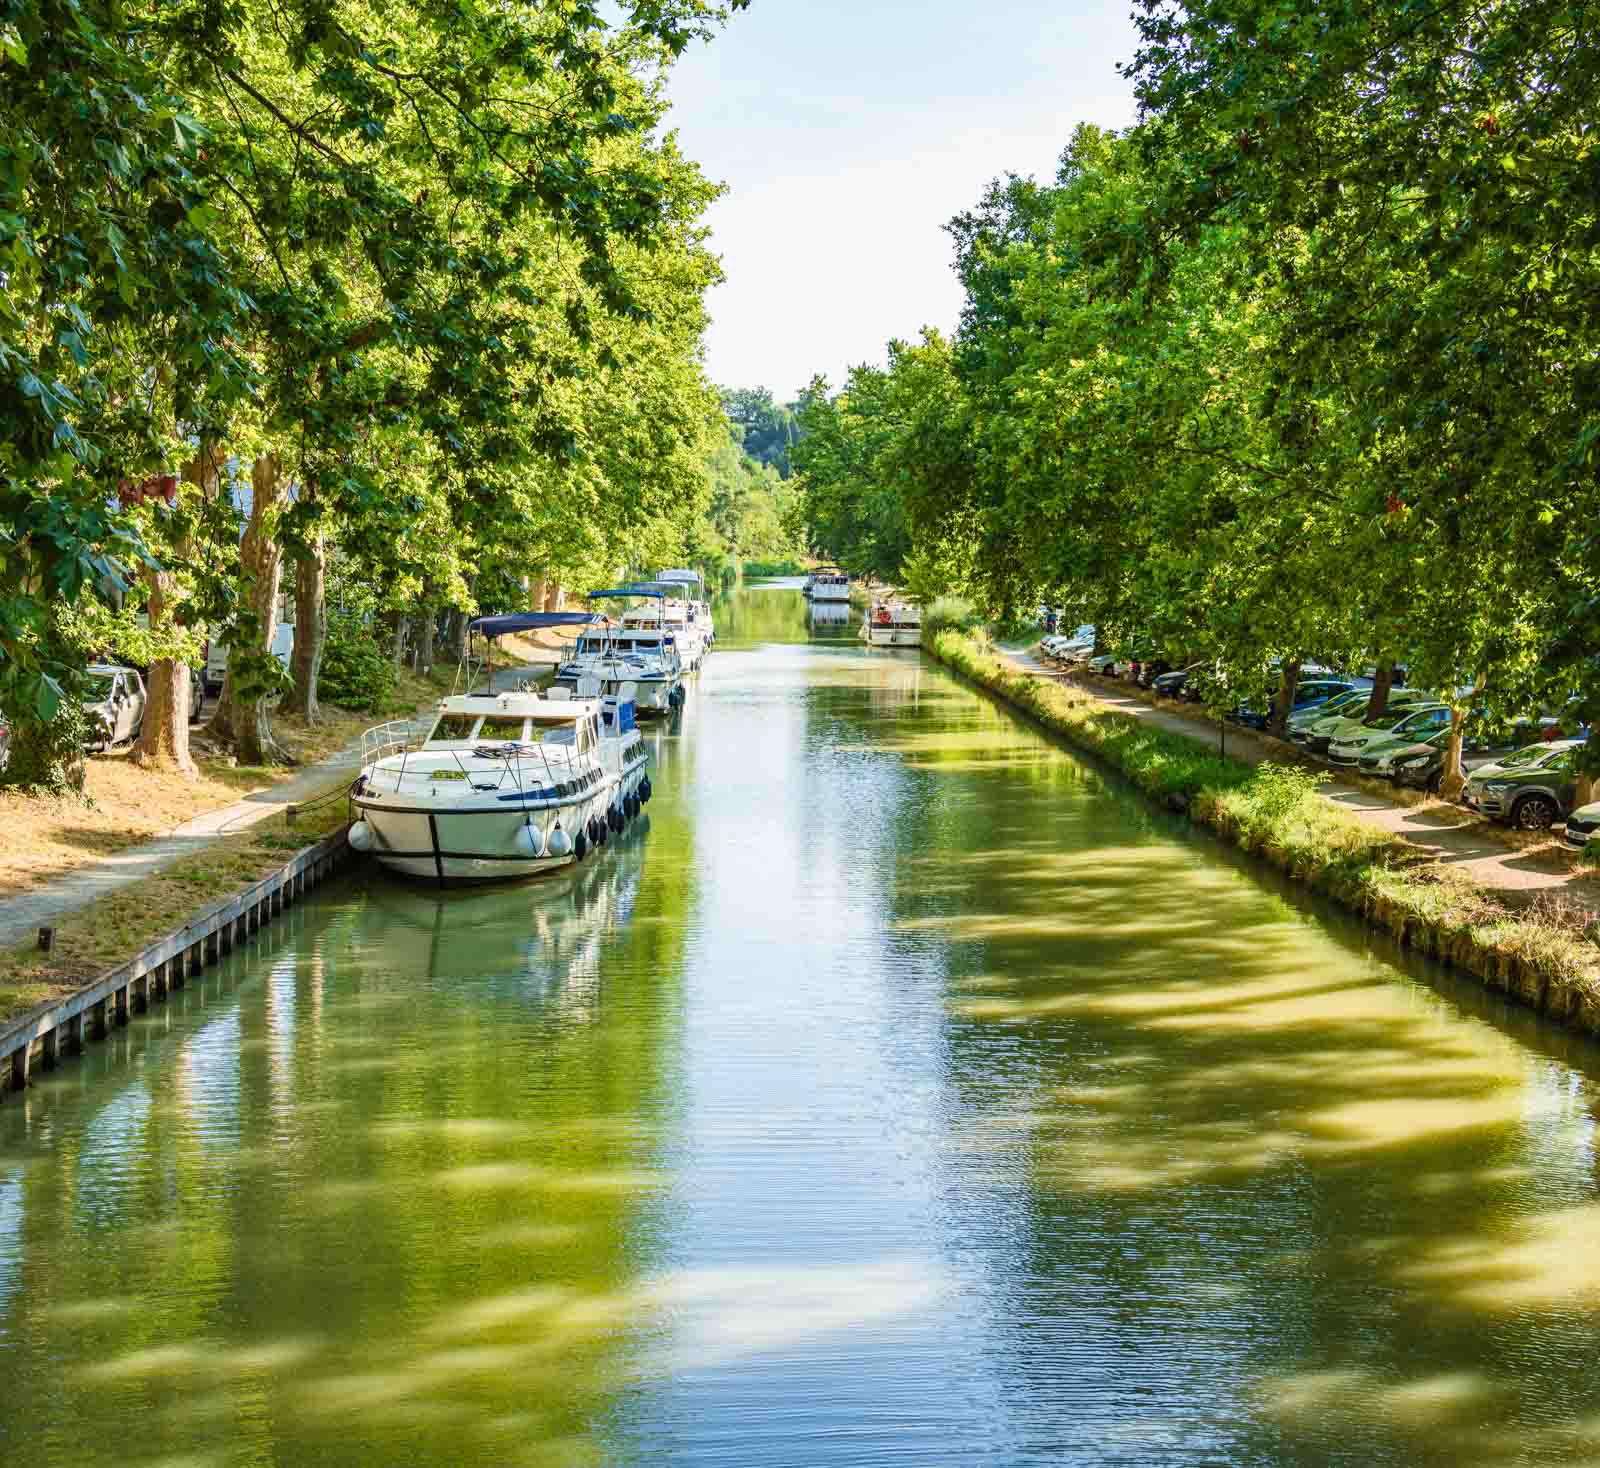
x=1288 y=681
x=425 y=633
x=456 y=635
x=1452 y=777
x=541 y=589
x=310 y=630
x=242 y=715
x=555 y=598
x=399 y=642
x=1382 y=682
x=164 y=738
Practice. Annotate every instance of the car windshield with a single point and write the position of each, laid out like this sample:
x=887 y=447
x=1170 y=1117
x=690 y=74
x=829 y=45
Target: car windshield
x=1527 y=759
x=99 y=686
x=1416 y=720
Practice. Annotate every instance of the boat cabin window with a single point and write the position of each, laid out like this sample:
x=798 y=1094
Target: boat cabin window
x=454 y=726
x=501 y=728
x=554 y=733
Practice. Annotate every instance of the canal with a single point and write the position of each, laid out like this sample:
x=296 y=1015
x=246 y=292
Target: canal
x=909 y=1093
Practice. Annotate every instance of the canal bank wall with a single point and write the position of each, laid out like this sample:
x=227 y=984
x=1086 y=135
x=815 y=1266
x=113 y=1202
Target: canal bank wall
x=65 y=1025
x=1272 y=811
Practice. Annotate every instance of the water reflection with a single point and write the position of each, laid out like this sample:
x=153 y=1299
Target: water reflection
x=909 y=1092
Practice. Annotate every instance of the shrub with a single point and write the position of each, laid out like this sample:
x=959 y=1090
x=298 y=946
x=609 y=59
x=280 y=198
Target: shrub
x=949 y=611
x=759 y=569
x=356 y=672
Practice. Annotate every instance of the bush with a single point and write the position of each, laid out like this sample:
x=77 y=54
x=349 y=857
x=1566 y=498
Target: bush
x=947 y=612
x=771 y=568
x=356 y=672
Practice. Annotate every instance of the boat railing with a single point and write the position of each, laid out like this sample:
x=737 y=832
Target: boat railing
x=399 y=736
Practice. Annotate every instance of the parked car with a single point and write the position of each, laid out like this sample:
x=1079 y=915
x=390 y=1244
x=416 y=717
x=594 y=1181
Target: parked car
x=1419 y=764
x=1350 y=702
x=1320 y=733
x=114 y=701
x=1531 y=789
x=1103 y=663
x=1170 y=685
x=1346 y=747
x=1150 y=669
x=1583 y=826
x=1313 y=693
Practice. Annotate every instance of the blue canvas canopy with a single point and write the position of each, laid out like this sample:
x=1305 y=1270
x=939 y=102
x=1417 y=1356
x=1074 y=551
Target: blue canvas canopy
x=527 y=622
x=628 y=591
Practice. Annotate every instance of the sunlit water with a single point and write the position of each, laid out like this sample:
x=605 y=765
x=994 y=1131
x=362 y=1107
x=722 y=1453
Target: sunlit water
x=909 y=1093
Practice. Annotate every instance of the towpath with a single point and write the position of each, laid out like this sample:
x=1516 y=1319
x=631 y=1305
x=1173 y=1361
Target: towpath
x=22 y=915
x=1451 y=833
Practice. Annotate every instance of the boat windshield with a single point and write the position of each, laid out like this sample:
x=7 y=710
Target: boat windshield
x=464 y=727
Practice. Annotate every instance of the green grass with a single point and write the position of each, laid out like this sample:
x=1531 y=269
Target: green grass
x=115 y=928
x=1539 y=952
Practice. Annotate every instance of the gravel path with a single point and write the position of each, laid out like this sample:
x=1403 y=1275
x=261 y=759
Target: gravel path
x=1450 y=832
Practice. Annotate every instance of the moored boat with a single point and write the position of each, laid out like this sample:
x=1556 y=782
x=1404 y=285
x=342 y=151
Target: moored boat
x=504 y=784
x=892 y=623
x=828 y=583
x=645 y=657
x=643 y=650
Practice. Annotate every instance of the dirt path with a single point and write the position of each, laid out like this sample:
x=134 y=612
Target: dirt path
x=24 y=913
x=1450 y=833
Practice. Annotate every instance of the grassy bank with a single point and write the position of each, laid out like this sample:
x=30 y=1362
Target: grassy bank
x=1539 y=953
x=115 y=928
x=125 y=805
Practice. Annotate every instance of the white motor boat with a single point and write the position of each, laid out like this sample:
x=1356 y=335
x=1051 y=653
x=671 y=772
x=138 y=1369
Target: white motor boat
x=892 y=624
x=829 y=584
x=644 y=657
x=504 y=785
x=694 y=595
x=644 y=650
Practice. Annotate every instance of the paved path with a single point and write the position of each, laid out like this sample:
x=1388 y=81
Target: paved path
x=22 y=916
x=1450 y=832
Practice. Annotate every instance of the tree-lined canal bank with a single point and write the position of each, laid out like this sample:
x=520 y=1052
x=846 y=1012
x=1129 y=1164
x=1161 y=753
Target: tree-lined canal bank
x=910 y=1092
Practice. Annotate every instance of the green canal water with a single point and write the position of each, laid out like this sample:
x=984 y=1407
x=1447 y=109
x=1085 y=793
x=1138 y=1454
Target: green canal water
x=908 y=1093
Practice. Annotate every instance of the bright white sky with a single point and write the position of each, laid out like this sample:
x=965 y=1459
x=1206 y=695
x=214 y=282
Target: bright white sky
x=848 y=134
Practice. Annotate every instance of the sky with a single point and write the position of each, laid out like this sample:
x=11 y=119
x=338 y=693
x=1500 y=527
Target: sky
x=848 y=134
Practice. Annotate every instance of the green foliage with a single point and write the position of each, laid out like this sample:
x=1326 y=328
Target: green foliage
x=949 y=613
x=356 y=672
x=452 y=275
x=790 y=567
x=764 y=429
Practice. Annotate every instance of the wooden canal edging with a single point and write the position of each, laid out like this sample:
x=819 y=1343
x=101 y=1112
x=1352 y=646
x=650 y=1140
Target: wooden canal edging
x=64 y=1026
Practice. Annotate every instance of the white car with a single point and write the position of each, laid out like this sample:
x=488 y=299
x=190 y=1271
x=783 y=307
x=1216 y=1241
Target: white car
x=114 y=702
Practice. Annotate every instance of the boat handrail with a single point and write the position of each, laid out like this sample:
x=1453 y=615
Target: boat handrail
x=398 y=736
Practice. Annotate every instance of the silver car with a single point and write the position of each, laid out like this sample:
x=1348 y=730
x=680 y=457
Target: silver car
x=114 y=701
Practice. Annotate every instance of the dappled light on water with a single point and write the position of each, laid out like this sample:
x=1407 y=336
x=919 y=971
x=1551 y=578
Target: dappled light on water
x=912 y=1094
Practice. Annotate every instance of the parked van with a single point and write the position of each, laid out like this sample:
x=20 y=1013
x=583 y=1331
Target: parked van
x=282 y=645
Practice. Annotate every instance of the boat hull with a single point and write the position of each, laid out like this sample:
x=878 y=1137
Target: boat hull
x=893 y=636
x=479 y=842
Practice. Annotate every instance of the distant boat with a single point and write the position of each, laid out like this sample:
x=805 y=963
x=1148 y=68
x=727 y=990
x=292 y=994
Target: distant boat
x=828 y=584
x=892 y=624
x=643 y=656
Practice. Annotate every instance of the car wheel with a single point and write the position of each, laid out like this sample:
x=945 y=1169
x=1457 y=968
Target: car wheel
x=1534 y=813
x=1435 y=782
